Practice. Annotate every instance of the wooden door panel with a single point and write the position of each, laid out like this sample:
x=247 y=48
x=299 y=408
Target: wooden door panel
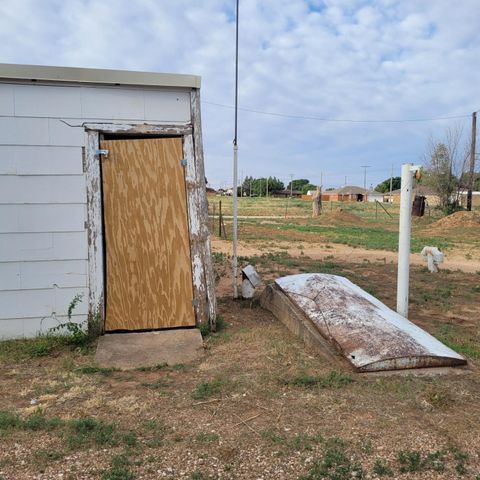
x=148 y=267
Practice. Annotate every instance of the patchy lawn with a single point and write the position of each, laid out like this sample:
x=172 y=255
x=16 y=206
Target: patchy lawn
x=258 y=405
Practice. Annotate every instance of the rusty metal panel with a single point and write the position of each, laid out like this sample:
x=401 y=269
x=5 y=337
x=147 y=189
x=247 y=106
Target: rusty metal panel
x=366 y=332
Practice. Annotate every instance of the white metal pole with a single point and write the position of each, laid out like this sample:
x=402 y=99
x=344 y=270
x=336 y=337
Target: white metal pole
x=405 y=227
x=235 y=168
x=235 y=220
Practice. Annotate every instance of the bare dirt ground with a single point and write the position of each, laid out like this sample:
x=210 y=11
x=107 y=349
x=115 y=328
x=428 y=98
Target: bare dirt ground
x=453 y=260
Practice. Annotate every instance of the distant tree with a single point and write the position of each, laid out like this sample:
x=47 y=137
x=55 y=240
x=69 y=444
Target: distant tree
x=298 y=184
x=384 y=186
x=307 y=187
x=445 y=164
x=258 y=186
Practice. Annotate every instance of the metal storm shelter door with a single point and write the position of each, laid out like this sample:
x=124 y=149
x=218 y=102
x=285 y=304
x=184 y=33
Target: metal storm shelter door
x=148 y=267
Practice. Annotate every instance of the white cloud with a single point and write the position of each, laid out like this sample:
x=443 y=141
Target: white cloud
x=335 y=58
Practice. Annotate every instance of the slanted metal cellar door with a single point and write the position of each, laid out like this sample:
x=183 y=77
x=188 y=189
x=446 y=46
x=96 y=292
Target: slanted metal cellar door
x=148 y=265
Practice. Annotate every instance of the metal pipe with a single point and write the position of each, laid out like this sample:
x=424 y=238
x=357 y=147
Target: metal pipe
x=235 y=167
x=405 y=227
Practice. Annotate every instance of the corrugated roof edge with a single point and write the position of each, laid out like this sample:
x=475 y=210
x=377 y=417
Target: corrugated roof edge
x=97 y=75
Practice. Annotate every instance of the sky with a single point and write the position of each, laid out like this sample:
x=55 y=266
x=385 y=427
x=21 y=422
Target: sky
x=333 y=61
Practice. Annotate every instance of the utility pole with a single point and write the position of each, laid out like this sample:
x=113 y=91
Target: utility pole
x=235 y=169
x=345 y=183
x=267 y=189
x=365 y=180
x=391 y=184
x=472 y=161
x=291 y=185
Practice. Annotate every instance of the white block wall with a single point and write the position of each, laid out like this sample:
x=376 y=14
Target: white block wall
x=43 y=240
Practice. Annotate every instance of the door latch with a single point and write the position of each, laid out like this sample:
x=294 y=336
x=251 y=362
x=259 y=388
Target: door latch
x=183 y=162
x=101 y=151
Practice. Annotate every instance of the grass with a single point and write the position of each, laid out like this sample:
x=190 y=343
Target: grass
x=207 y=389
x=88 y=431
x=332 y=380
x=205 y=437
x=382 y=469
x=454 y=338
x=220 y=326
x=92 y=369
x=335 y=465
x=119 y=469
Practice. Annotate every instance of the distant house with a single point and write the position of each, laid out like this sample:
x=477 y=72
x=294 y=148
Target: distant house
x=285 y=193
x=475 y=199
x=348 y=193
x=431 y=197
x=374 y=196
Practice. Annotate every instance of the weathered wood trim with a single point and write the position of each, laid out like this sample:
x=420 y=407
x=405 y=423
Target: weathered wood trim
x=140 y=128
x=197 y=232
x=200 y=197
x=95 y=232
x=202 y=270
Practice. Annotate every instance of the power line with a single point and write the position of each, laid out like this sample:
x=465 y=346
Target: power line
x=337 y=120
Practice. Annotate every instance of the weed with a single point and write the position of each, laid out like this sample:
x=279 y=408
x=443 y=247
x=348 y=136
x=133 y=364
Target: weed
x=38 y=421
x=437 y=396
x=130 y=439
x=155 y=385
x=220 y=325
x=461 y=458
x=159 y=366
x=303 y=441
x=335 y=465
x=207 y=389
x=89 y=430
x=410 y=461
x=92 y=369
x=274 y=437
x=205 y=437
x=435 y=461
x=119 y=469
x=381 y=468
x=9 y=420
x=332 y=380
x=77 y=333
x=45 y=455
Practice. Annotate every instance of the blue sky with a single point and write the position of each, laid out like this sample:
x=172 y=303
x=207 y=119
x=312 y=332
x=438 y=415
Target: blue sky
x=335 y=59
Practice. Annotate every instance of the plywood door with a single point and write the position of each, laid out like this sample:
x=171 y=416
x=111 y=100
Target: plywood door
x=148 y=268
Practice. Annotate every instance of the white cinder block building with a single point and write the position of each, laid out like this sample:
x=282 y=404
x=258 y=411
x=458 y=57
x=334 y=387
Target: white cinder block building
x=58 y=239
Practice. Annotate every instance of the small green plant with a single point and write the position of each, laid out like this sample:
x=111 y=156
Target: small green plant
x=205 y=437
x=92 y=369
x=9 y=420
x=119 y=469
x=89 y=430
x=220 y=325
x=461 y=459
x=382 y=469
x=155 y=385
x=207 y=389
x=410 y=461
x=48 y=455
x=77 y=333
x=335 y=465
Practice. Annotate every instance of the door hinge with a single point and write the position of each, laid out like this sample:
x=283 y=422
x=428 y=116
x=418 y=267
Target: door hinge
x=183 y=162
x=195 y=302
